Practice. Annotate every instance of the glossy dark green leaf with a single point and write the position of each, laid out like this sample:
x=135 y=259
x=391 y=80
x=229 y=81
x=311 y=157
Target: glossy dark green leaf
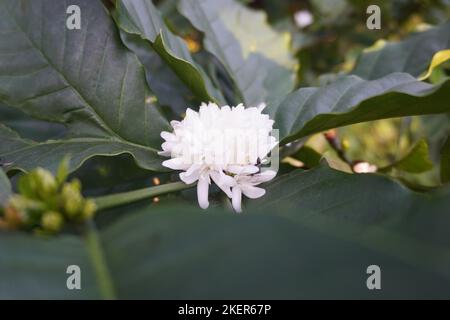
x=351 y=99
x=169 y=90
x=412 y=55
x=24 y=154
x=255 y=56
x=29 y=127
x=31 y=267
x=83 y=78
x=312 y=236
x=308 y=156
x=142 y=18
x=366 y=198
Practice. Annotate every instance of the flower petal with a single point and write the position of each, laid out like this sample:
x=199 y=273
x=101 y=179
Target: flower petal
x=261 y=107
x=263 y=176
x=250 y=169
x=236 y=199
x=223 y=181
x=190 y=176
x=175 y=164
x=168 y=136
x=202 y=192
x=253 y=192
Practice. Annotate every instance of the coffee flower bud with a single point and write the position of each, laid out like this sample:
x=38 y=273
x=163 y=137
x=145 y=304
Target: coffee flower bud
x=46 y=182
x=45 y=203
x=89 y=209
x=72 y=200
x=12 y=219
x=52 y=221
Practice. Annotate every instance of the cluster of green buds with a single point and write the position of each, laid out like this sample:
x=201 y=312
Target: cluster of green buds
x=45 y=203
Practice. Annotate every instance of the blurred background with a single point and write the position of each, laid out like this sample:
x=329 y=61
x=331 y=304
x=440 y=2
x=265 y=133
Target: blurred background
x=327 y=37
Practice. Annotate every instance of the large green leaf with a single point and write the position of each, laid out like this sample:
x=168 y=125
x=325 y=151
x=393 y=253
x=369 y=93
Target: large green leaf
x=141 y=18
x=351 y=99
x=40 y=270
x=82 y=78
x=30 y=127
x=364 y=199
x=413 y=55
x=24 y=154
x=256 y=57
x=296 y=242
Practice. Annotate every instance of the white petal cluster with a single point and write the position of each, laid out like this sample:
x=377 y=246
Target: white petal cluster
x=225 y=145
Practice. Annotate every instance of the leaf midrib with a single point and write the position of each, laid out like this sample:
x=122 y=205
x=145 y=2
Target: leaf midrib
x=77 y=140
x=100 y=121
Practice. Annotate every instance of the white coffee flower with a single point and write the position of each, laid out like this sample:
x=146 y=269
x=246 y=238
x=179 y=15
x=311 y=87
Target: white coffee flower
x=303 y=18
x=364 y=167
x=226 y=145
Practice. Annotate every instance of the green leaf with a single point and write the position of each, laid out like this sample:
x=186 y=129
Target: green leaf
x=351 y=99
x=412 y=55
x=40 y=270
x=29 y=127
x=445 y=161
x=63 y=171
x=365 y=199
x=416 y=161
x=256 y=57
x=5 y=187
x=312 y=236
x=168 y=88
x=141 y=18
x=309 y=156
x=27 y=154
x=439 y=58
x=336 y=163
x=83 y=78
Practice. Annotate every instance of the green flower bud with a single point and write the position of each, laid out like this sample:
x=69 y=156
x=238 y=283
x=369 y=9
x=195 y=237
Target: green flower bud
x=52 y=221
x=24 y=204
x=63 y=171
x=46 y=183
x=72 y=200
x=27 y=210
x=89 y=209
x=12 y=219
x=27 y=186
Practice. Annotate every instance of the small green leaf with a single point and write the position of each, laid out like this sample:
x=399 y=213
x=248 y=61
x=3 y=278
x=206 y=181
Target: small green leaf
x=439 y=58
x=309 y=156
x=412 y=55
x=416 y=161
x=336 y=163
x=63 y=170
